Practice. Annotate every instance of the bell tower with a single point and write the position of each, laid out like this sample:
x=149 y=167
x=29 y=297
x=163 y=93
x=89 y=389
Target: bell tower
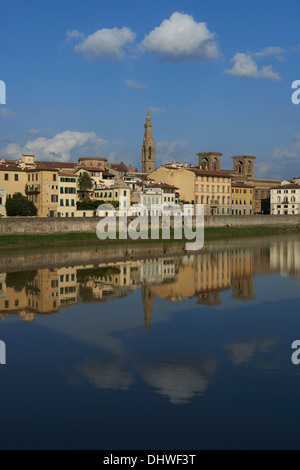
x=148 y=147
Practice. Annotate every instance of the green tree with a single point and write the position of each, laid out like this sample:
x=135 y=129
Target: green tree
x=85 y=183
x=19 y=205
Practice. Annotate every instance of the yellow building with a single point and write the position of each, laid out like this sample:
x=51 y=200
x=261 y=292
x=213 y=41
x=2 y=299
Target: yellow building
x=180 y=177
x=42 y=190
x=242 y=199
x=12 y=180
x=211 y=188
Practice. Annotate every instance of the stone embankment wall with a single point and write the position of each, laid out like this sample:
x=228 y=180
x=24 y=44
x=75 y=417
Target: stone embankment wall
x=43 y=226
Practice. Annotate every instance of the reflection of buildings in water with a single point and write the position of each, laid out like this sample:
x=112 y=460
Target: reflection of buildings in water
x=148 y=302
x=242 y=274
x=285 y=257
x=37 y=292
x=203 y=275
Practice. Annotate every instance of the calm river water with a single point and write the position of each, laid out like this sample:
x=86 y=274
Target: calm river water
x=156 y=349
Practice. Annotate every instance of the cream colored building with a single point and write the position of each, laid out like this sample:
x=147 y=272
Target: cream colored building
x=67 y=194
x=181 y=178
x=42 y=190
x=213 y=189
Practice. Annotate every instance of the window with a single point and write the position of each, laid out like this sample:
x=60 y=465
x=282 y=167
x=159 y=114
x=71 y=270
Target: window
x=16 y=177
x=6 y=176
x=72 y=202
x=67 y=202
x=54 y=177
x=61 y=202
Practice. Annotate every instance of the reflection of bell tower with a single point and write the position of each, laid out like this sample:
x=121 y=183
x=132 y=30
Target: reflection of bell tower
x=209 y=298
x=148 y=302
x=242 y=288
x=148 y=148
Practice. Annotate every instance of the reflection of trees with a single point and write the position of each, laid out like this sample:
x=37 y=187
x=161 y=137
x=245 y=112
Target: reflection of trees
x=85 y=293
x=19 y=280
x=97 y=272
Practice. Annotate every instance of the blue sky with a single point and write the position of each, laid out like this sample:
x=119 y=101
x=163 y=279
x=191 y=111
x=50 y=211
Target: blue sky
x=80 y=76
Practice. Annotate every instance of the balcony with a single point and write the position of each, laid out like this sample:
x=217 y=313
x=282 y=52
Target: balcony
x=214 y=202
x=32 y=189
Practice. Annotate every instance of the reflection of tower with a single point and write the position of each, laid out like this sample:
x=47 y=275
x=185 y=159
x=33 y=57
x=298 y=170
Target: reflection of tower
x=209 y=298
x=242 y=274
x=148 y=148
x=242 y=288
x=148 y=302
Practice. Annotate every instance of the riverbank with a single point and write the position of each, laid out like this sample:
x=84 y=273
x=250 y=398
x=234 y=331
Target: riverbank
x=91 y=238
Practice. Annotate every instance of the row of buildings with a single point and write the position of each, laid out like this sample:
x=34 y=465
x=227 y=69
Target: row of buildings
x=55 y=187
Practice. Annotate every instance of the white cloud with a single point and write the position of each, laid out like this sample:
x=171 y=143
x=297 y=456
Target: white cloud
x=157 y=110
x=181 y=38
x=34 y=131
x=283 y=162
x=138 y=86
x=243 y=65
x=73 y=35
x=168 y=151
x=61 y=147
x=276 y=51
x=106 y=43
x=50 y=113
x=5 y=112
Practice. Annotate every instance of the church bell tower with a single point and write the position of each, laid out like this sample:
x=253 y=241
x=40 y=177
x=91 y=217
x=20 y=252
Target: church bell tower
x=148 y=148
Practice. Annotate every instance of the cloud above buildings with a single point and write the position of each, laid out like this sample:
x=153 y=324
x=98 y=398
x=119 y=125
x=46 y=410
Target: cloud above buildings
x=181 y=38
x=171 y=150
x=110 y=44
x=74 y=35
x=6 y=113
x=136 y=85
x=62 y=147
x=178 y=38
x=282 y=162
x=243 y=65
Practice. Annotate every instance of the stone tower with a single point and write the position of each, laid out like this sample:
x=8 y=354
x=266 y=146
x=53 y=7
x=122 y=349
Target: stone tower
x=243 y=166
x=148 y=148
x=210 y=161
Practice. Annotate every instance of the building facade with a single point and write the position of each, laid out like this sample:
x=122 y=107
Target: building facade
x=242 y=198
x=285 y=199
